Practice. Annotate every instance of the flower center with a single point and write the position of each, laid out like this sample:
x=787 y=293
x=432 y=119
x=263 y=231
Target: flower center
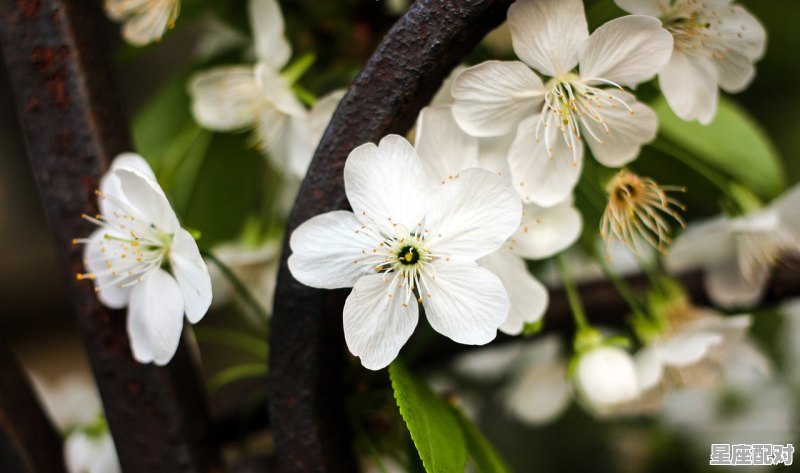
x=699 y=30
x=408 y=255
x=637 y=207
x=576 y=109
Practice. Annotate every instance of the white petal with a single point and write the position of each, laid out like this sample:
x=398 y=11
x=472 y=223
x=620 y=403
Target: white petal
x=442 y=146
x=541 y=391
x=644 y=7
x=192 y=274
x=79 y=451
x=547 y=34
x=146 y=196
x=278 y=91
x=702 y=244
x=377 y=321
x=627 y=131
x=788 y=208
x=689 y=84
x=537 y=177
x=491 y=98
x=606 y=376
x=472 y=215
x=463 y=301
x=266 y=22
x=649 y=368
x=155 y=318
x=527 y=296
x=627 y=50
x=728 y=288
x=744 y=33
x=687 y=348
x=493 y=155
x=226 y=98
x=734 y=72
x=325 y=250
x=386 y=184
x=320 y=116
x=110 y=186
x=546 y=231
x=287 y=139
x=489 y=364
x=150 y=24
x=108 y=289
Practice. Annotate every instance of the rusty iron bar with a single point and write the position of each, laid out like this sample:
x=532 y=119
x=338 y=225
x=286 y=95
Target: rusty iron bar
x=73 y=125
x=306 y=348
x=28 y=441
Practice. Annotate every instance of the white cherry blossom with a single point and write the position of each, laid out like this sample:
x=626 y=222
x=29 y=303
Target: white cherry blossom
x=738 y=253
x=244 y=97
x=408 y=241
x=145 y=21
x=445 y=150
x=716 y=45
x=140 y=257
x=553 y=119
x=695 y=340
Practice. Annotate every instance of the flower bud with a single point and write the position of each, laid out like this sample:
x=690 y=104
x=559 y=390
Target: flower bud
x=606 y=376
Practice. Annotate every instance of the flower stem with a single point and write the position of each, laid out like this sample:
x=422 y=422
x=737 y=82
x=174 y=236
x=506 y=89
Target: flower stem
x=239 y=286
x=619 y=285
x=572 y=294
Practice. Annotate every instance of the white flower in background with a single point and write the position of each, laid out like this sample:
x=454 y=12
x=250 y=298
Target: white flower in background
x=144 y=21
x=233 y=98
x=738 y=253
x=787 y=340
x=605 y=377
x=716 y=44
x=691 y=349
x=73 y=405
x=255 y=266
x=406 y=240
x=445 y=151
x=140 y=257
x=553 y=119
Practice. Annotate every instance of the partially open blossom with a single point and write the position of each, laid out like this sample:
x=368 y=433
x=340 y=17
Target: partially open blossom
x=259 y=97
x=73 y=405
x=605 y=377
x=691 y=348
x=553 y=119
x=145 y=21
x=716 y=44
x=140 y=257
x=407 y=241
x=639 y=210
x=445 y=150
x=738 y=253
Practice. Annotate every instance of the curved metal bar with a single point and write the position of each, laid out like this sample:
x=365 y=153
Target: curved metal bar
x=306 y=350
x=28 y=442
x=73 y=127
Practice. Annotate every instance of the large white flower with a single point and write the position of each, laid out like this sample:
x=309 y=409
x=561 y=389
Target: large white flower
x=407 y=240
x=242 y=97
x=694 y=342
x=145 y=20
x=140 y=257
x=738 y=253
x=553 y=119
x=445 y=151
x=716 y=44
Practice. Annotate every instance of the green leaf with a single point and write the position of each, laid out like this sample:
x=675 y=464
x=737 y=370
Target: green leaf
x=486 y=459
x=733 y=143
x=234 y=339
x=235 y=373
x=434 y=428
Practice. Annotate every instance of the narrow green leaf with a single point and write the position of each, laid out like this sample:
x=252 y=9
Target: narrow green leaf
x=434 y=428
x=234 y=339
x=235 y=373
x=486 y=459
x=733 y=143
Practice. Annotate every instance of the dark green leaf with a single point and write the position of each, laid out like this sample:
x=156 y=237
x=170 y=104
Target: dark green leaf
x=482 y=452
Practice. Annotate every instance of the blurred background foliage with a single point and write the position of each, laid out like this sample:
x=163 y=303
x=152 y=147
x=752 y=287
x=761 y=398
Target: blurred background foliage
x=221 y=185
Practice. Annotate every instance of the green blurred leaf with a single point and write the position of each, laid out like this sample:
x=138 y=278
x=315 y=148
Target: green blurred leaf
x=235 y=373
x=234 y=339
x=482 y=452
x=434 y=428
x=733 y=143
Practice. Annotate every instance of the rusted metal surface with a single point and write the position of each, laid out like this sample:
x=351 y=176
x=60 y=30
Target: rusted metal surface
x=73 y=127
x=28 y=442
x=306 y=348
